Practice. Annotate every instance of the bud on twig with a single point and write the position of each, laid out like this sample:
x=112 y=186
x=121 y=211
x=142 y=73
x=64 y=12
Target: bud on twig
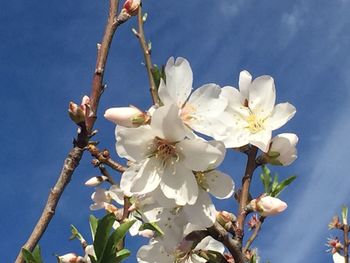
x=77 y=112
x=126 y=116
x=131 y=7
x=268 y=205
x=71 y=258
x=96 y=180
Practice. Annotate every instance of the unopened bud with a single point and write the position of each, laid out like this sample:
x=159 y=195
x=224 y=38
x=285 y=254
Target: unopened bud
x=77 y=112
x=268 y=205
x=225 y=219
x=96 y=180
x=282 y=150
x=71 y=258
x=125 y=116
x=132 y=6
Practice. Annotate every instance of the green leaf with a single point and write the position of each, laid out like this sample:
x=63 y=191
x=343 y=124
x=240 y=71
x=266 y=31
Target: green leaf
x=76 y=234
x=266 y=179
x=102 y=234
x=344 y=214
x=152 y=226
x=123 y=254
x=282 y=185
x=274 y=185
x=37 y=254
x=28 y=256
x=109 y=255
x=93 y=225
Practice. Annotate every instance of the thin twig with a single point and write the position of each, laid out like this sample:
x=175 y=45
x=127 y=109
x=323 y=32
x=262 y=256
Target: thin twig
x=104 y=171
x=244 y=195
x=220 y=234
x=346 y=242
x=75 y=154
x=104 y=157
x=254 y=235
x=147 y=56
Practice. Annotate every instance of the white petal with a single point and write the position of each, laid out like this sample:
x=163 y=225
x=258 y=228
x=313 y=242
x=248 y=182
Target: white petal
x=167 y=124
x=116 y=194
x=179 y=183
x=198 y=155
x=134 y=143
x=245 y=80
x=236 y=137
x=284 y=144
x=281 y=114
x=220 y=185
x=148 y=177
x=128 y=177
x=164 y=94
x=233 y=96
x=207 y=101
x=153 y=253
x=221 y=147
x=209 y=243
x=261 y=140
x=179 y=79
x=262 y=96
x=203 y=212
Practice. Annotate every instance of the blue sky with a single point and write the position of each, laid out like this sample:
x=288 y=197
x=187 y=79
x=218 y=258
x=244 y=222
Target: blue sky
x=47 y=54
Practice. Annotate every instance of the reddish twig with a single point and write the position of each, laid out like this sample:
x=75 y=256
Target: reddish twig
x=244 y=194
x=104 y=157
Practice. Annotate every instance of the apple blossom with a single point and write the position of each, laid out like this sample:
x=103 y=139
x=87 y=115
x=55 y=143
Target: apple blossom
x=203 y=110
x=282 y=149
x=253 y=112
x=125 y=116
x=165 y=156
x=268 y=205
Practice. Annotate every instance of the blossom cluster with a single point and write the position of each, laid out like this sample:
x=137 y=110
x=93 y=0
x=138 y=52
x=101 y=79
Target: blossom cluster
x=172 y=170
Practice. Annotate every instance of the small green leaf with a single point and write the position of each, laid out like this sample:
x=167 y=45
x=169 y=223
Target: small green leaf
x=152 y=226
x=109 y=255
x=123 y=254
x=28 y=256
x=344 y=214
x=37 y=254
x=76 y=234
x=102 y=234
x=93 y=221
x=266 y=179
x=282 y=185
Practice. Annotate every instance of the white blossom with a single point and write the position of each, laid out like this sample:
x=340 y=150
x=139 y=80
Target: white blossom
x=283 y=149
x=253 y=112
x=165 y=157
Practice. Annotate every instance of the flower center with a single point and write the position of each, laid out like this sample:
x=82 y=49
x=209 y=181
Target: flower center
x=165 y=150
x=255 y=124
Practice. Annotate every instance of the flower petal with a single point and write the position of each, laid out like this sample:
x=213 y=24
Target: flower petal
x=198 y=155
x=262 y=96
x=147 y=178
x=179 y=80
x=203 y=212
x=209 y=243
x=245 y=79
x=220 y=185
x=179 y=183
x=281 y=114
x=154 y=253
x=167 y=124
x=134 y=143
x=261 y=140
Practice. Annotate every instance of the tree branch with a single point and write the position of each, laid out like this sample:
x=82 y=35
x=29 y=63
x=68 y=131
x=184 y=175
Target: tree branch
x=104 y=157
x=74 y=156
x=147 y=56
x=244 y=195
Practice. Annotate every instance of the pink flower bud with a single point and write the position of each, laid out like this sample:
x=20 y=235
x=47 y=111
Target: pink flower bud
x=77 y=112
x=96 y=180
x=268 y=205
x=125 y=116
x=132 y=6
x=71 y=258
